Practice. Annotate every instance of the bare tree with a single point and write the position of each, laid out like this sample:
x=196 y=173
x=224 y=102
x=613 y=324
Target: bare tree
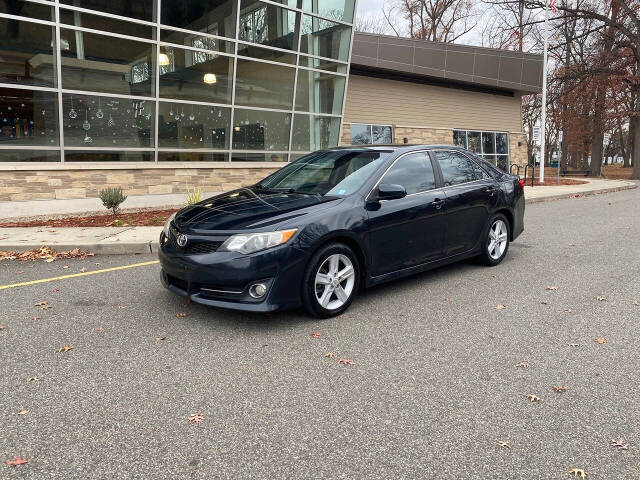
x=437 y=20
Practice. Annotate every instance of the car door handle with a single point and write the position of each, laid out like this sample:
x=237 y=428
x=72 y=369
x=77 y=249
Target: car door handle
x=438 y=203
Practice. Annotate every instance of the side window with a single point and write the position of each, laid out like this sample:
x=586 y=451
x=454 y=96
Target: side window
x=457 y=168
x=414 y=172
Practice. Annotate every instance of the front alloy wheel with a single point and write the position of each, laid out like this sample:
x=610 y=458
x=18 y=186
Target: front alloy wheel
x=334 y=281
x=331 y=280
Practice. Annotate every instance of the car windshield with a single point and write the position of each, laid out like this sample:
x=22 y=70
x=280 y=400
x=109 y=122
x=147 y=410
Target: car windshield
x=329 y=172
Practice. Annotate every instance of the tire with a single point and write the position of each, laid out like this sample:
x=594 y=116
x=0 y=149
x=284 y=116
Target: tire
x=321 y=288
x=492 y=254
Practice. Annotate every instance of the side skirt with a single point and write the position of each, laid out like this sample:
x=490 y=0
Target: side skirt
x=423 y=267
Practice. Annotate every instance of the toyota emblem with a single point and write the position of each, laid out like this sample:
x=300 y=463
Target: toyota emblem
x=182 y=240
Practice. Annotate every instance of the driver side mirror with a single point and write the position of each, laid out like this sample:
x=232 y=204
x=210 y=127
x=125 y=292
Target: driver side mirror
x=390 y=191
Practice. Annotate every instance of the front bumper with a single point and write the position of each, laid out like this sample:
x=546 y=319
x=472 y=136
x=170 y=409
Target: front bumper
x=222 y=279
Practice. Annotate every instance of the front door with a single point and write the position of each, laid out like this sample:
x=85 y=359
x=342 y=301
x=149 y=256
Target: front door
x=410 y=230
x=471 y=196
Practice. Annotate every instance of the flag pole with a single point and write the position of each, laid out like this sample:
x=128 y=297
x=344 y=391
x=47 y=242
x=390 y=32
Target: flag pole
x=545 y=34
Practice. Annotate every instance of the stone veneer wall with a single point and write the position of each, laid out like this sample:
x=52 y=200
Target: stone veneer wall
x=71 y=181
x=430 y=135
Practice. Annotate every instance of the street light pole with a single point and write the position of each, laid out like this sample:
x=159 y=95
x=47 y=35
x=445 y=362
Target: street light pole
x=545 y=34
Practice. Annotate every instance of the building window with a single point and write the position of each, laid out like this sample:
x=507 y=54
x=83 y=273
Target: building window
x=492 y=146
x=363 y=134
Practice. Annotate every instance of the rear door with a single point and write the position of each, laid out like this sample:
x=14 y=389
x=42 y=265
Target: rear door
x=410 y=230
x=471 y=196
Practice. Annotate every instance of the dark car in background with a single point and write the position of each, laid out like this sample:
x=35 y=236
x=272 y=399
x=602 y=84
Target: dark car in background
x=318 y=230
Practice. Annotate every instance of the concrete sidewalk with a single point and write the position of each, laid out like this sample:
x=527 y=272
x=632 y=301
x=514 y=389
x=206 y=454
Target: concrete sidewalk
x=592 y=187
x=126 y=240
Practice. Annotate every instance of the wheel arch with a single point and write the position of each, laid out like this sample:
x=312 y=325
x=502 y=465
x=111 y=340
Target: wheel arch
x=510 y=218
x=353 y=243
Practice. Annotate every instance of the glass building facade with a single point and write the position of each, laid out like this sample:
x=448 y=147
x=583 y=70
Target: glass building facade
x=171 y=80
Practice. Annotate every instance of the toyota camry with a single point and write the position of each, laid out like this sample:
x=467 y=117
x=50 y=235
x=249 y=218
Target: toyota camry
x=324 y=227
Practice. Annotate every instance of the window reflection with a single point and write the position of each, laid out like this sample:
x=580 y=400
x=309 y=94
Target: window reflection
x=264 y=85
x=311 y=132
x=95 y=121
x=29 y=155
x=319 y=92
x=107 y=64
x=193 y=126
x=334 y=9
x=28 y=118
x=323 y=38
x=93 y=156
x=139 y=9
x=98 y=22
x=260 y=130
x=267 y=24
x=195 y=75
x=26 y=52
x=27 y=9
x=192 y=157
x=211 y=16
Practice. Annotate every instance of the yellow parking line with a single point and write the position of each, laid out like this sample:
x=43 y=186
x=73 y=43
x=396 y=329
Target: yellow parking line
x=75 y=275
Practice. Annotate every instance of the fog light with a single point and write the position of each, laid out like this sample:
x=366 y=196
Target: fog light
x=258 y=290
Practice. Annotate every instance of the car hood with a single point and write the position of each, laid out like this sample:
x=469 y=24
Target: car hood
x=247 y=208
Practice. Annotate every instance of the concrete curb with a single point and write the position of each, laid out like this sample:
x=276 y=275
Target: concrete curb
x=579 y=194
x=96 y=248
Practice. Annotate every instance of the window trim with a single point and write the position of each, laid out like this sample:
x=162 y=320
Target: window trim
x=431 y=159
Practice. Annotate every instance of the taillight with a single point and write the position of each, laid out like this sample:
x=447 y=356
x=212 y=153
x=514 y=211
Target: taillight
x=522 y=183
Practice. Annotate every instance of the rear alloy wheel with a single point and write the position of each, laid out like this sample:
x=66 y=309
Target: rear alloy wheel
x=496 y=242
x=331 y=281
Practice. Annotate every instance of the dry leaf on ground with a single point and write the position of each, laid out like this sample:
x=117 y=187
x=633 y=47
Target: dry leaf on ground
x=573 y=344
x=578 y=473
x=503 y=444
x=182 y=315
x=499 y=307
x=160 y=339
x=316 y=335
x=345 y=361
x=559 y=389
x=552 y=288
x=600 y=340
x=23 y=412
x=16 y=461
x=329 y=355
x=619 y=444
x=32 y=379
x=196 y=418
x=43 y=253
x=66 y=348
x=601 y=299
x=522 y=365
x=532 y=398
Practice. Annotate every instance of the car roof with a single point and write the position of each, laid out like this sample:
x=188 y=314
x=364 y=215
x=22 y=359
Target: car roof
x=402 y=147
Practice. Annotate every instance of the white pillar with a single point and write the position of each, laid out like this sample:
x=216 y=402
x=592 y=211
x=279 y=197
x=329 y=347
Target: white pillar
x=545 y=34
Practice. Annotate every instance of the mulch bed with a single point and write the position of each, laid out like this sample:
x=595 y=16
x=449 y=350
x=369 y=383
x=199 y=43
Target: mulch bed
x=151 y=218
x=552 y=182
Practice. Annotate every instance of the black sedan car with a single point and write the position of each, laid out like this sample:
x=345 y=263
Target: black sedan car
x=318 y=230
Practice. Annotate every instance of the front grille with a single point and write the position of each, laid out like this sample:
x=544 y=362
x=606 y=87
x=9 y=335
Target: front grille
x=178 y=283
x=200 y=248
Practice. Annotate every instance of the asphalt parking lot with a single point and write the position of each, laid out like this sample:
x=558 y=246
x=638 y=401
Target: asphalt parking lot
x=438 y=375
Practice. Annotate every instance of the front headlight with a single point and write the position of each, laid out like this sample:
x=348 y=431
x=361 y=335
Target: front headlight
x=254 y=242
x=165 y=230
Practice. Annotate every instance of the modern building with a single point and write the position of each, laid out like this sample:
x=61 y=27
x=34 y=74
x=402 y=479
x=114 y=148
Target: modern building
x=158 y=95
